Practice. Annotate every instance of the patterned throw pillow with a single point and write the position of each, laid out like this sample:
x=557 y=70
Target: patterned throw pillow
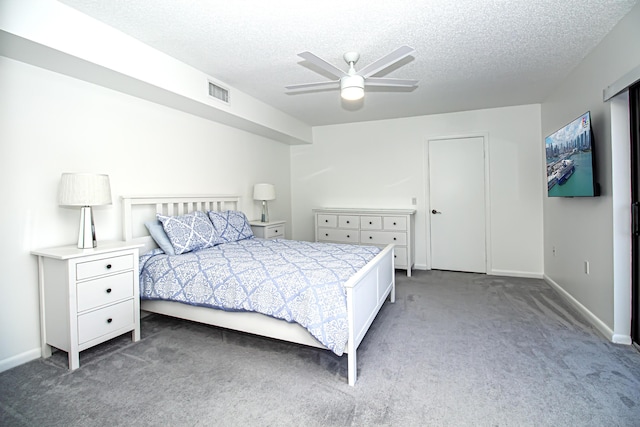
x=189 y=232
x=231 y=226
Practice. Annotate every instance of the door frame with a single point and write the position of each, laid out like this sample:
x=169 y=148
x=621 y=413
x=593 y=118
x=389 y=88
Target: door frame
x=426 y=186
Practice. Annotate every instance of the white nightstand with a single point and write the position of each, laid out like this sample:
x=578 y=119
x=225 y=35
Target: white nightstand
x=268 y=230
x=87 y=296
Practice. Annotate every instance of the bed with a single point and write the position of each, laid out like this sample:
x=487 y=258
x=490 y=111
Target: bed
x=366 y=290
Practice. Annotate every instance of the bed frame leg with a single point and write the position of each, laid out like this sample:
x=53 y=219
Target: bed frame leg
x=353 y=368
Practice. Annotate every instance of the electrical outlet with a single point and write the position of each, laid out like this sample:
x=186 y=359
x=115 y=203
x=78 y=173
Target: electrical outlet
x=414 y=201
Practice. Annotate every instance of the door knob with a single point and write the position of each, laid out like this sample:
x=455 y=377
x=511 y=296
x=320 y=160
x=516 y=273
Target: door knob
x=433 y=211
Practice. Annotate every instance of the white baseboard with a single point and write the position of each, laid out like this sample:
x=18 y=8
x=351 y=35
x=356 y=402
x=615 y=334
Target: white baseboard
x=19 y=359
x=621 y=339
x=605 y=330
x=515 y=273
x=511 y=273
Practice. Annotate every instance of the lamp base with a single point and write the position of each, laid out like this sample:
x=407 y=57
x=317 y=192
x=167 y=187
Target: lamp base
x=265 y=212
x=87 y=235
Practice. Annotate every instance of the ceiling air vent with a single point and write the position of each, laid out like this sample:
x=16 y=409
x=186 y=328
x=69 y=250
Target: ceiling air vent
x=219 y=92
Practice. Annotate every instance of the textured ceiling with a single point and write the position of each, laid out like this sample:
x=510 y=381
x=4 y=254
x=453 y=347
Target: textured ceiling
x=469 y=54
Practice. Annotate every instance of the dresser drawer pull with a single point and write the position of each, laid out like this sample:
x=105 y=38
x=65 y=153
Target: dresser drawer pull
x=370 y=237
x=109 y=320
x=276 y=231
x=108 y=290
x=395 y=238
x=370 y=223
x=108 y=266
x=348 y=236
x=347 y=222
x=394 y=223
x=326 y=220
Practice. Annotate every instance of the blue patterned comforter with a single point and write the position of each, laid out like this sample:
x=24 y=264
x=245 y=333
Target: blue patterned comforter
x=296 y=281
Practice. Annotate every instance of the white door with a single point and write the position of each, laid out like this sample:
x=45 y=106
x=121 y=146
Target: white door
x=457 y=204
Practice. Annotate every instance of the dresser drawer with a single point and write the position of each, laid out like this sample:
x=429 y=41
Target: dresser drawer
x=101 y=322
x=394 y=223
x=86 y=270
x=105 y=290
x=400 y=257
x=336 y=235
x=371 y=223
x=384 y=237
x=325 y=220
x=348 y=221
x=273 y=232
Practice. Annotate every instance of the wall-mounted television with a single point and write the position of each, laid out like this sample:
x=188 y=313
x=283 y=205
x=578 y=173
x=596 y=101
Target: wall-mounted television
x=571 y=161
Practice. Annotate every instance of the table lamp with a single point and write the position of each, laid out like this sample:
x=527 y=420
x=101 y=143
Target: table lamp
x=85 y=190
x=264 y=192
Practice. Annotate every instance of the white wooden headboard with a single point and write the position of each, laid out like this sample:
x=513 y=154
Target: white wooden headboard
x=136 y=210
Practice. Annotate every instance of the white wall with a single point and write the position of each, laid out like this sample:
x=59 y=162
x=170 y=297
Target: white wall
x=382 y=164
x=51 y=123
x=45 y=33
x=582 y=229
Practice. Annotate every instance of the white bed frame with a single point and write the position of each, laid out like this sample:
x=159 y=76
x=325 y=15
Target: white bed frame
x=367 y=290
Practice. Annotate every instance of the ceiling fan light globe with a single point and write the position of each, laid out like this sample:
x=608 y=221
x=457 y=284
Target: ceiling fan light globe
x=352 y=88
x=352 y=93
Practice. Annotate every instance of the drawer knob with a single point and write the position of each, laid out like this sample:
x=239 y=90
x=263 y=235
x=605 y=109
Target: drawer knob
x=108 y=266
x=326 y=220
x=370 y=223
x=326 y=234
x=109 y=320
x=347 y=222
x=395 y=238
x=276 y=231
x=371 y=237
x=348 y=236
x=394 y=223
x=108 y=290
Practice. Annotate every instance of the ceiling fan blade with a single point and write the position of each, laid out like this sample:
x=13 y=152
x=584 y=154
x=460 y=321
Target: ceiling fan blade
x=386 y=61
x=319 y=85
x=316 y=60
x=384 y=81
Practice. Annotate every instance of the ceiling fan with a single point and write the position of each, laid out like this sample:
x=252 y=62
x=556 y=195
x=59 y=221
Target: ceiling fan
x=352 y=82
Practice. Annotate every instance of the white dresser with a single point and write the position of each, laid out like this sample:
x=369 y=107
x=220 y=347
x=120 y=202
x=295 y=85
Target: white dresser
x=378 y=227
x=87 y=296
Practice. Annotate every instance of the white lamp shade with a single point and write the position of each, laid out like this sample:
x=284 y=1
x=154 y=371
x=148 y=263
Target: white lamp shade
x=264 y=192
x=84 y=189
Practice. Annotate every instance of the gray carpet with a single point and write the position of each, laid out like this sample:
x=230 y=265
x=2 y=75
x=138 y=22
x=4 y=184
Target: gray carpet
x=456 y=349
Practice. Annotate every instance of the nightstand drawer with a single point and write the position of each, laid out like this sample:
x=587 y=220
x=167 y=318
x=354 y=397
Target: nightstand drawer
x=341 y=236
x=106 y=320
x=86 y=270
x=103 y=291
x=384 y=238
x=273 y=232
